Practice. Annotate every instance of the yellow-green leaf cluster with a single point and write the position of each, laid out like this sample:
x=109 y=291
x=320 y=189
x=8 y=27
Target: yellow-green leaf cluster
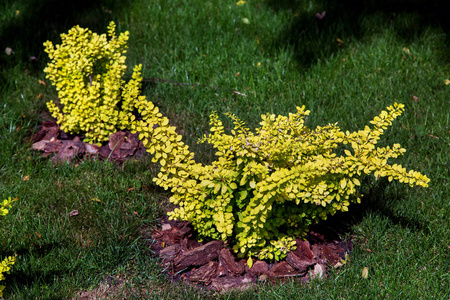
x=87 y=71
x=5 y=265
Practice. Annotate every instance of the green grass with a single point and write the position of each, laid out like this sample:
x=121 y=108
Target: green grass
x=390 y=52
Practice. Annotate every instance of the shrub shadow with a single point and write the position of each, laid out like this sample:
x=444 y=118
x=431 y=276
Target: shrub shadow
x=375 y=200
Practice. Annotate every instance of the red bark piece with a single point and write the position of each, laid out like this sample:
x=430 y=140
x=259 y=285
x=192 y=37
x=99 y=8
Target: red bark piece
x=187 y=243
x=198 y=256
x=302 y=257
x=51 y=134
x=226 y=283
x=317 y=250
x=48 y=130
x=205 y=273
x=221 y=270
x=39 y=146
x=53 y=146
x=169 y=237
x=232 y=268
x=169 y=254
x=259 y=267
x=104 y=152
x=92 y=149
x=330 y=255
x=184 y=229
x=325 y=254
x=122 y=144
x=69 y=150
x=282 y=270
x=174 y=234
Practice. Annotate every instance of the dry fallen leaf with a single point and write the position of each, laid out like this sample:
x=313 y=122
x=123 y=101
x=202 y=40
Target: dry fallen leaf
x=42 y=82
x=368 y=250
x=416 y=98
x=73 y=213
x=26 y=178
x=134 y=212
x=96 y=200
x=166 y=226
x=320 y=16
x=365 y=273
x=318 y=271
x=239 y=93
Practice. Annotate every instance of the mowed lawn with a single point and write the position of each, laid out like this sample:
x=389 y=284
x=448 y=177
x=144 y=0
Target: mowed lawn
x=344 y=60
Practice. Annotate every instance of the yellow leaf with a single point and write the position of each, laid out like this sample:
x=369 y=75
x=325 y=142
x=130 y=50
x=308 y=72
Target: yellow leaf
x=250 y=262
x=343 y=183
x=224 y=188
x=217 y=188
x=365 y=273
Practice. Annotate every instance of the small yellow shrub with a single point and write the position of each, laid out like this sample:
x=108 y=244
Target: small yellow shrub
x=6 y=264
x=87 y=71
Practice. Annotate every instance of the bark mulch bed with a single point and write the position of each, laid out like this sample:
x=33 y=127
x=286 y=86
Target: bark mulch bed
x=215 y=267
x=63 y=147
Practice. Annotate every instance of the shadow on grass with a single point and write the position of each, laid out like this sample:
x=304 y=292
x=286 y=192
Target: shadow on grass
x=314 y=38
x=42 y=20
x=375 y=200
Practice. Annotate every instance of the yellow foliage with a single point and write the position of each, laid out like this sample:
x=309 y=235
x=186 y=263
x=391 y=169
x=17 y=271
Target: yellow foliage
x=267 y=187
x=87 y=71
x=5 y=265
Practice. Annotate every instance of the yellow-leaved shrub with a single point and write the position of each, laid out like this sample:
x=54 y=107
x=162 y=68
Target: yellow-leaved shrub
x=5 y=265
x=87 y=71
x=268 y=186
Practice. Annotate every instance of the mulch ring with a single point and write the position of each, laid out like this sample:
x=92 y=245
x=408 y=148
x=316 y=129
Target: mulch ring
x=52 y=141
x=215 y=267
